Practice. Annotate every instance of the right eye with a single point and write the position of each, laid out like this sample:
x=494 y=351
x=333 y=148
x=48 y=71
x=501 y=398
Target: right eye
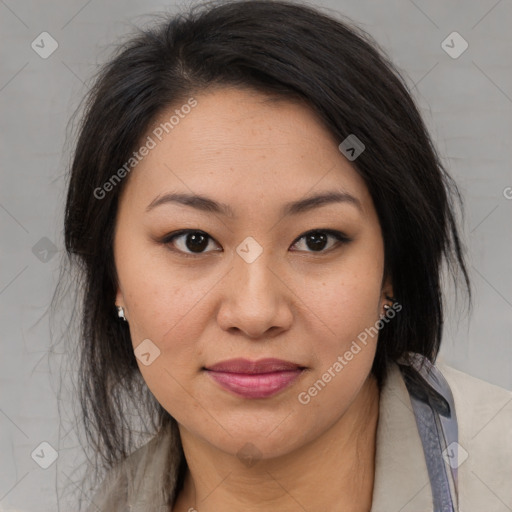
x=189 y=239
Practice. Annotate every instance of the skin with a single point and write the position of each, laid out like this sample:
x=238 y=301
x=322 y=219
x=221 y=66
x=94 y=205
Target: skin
x=294 y=302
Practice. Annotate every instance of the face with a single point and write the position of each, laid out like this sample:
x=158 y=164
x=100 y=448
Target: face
x=246 y=275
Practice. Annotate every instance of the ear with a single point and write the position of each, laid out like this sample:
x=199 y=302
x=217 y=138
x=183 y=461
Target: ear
x=387 y=291
x=119 y=298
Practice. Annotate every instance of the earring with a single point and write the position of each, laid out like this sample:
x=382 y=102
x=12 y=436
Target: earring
x=120 y=313
x=387 y=307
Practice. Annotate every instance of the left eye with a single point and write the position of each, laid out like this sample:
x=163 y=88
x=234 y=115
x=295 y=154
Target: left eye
x=317 y=239
x=196 y=241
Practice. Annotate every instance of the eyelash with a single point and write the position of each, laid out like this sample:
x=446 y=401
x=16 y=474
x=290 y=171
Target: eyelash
x=340 y=237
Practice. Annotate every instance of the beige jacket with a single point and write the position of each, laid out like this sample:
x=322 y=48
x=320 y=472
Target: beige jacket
x=402 y=484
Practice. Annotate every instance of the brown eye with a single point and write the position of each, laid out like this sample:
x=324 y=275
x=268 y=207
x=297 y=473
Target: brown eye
x=317 y=240
x=194 y=241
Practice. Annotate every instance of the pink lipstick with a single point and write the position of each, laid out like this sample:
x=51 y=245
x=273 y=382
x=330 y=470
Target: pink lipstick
x=255 y=379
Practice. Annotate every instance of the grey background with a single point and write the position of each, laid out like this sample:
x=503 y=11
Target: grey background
x=466 y=102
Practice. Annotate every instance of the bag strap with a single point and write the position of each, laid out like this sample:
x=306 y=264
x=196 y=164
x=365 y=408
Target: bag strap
x=434 y=411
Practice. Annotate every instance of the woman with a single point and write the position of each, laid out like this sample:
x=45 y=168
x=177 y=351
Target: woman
x=260 y=220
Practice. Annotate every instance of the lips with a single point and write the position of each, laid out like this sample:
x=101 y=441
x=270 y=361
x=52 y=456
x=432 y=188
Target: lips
x=251 y=367
x=254 y=379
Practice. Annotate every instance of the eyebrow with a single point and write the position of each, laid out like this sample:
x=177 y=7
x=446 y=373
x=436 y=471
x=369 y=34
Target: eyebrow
x=208 y=205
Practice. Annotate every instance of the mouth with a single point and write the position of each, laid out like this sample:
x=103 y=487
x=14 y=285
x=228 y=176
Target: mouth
x=254 y=379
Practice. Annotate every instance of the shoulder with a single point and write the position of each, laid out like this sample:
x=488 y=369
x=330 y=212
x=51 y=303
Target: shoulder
x=134 y=481
x=484 y=414
x=478 y=402
x=483 y=409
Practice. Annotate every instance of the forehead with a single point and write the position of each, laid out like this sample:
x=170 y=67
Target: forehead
x=239 y=119
x=242 y=146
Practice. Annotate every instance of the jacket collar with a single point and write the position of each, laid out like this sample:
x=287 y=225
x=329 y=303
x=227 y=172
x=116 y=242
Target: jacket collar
x=401 y=477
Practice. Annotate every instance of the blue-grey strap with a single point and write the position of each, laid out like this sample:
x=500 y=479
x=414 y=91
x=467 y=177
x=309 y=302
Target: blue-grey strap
x=434 y=410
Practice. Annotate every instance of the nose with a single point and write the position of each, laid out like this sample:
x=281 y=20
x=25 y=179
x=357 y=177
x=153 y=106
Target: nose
x=256 y=299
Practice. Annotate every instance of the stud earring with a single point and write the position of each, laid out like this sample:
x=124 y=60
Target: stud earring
x=120 y=313
x=387 y=307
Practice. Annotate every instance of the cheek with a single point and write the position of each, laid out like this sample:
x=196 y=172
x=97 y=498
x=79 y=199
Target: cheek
x=344 y=344
x=165 y=306
x=343 y=305
x=169 y=311
x=157 y=294
x=345 y=300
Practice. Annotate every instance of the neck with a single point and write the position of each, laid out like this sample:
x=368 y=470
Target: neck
x=333 y=472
